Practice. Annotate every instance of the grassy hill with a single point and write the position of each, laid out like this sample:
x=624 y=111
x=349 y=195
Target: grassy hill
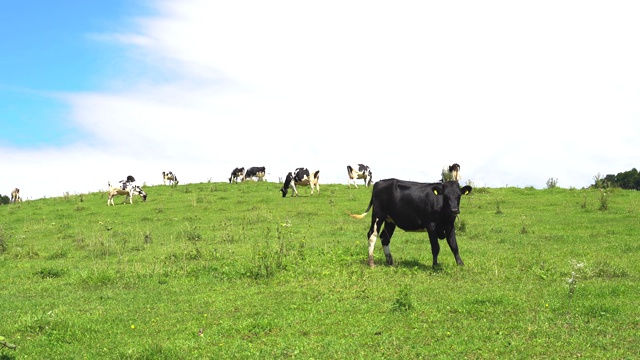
x=215 y=270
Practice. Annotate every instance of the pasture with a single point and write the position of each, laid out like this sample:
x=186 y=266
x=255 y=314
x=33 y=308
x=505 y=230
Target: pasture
x=218 y=270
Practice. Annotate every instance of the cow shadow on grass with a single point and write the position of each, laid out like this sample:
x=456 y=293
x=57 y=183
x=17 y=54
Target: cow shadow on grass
x=415 y=264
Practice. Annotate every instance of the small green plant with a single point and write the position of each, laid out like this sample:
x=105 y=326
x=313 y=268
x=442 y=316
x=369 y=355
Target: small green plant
x=147 y=237
x=498 y=209
x=576 y=271
x=462 y=225
x=552 y=183
x=524 y=225
x=604 y=200
x=3 y=241
x=403 y=301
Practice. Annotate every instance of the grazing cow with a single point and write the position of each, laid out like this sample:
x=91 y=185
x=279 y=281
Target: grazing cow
x=129 y=190
x=15 y=196
x=124 y=184
x=237 y=173
x=255 y=172
x=170 y=177
x=451 y=173
x=414 y=206
x=362 y=172
x=301 y=177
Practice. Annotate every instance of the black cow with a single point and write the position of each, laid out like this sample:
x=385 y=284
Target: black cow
x=301 y=177
x=414 y=206
x=237 y=173
x=362 y=172
x=257 y=172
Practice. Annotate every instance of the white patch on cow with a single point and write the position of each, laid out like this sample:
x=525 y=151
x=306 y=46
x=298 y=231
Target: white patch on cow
x=372 y=239
x=386 y=250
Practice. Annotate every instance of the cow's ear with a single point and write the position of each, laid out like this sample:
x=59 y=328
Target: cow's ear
x=467 y=189
x=437 y=189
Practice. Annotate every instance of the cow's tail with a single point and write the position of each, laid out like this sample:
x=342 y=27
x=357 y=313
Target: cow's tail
x=361 y=216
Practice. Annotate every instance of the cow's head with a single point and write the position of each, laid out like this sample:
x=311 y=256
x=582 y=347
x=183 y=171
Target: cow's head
x=136 y=189
x=451 y=193
x=369 y=177
x=285 y=187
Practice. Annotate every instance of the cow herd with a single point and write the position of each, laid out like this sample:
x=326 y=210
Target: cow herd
x=407 y=205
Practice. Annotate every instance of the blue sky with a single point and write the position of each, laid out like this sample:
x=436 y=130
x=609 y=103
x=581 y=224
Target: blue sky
x=46 y=48
x=516 y=93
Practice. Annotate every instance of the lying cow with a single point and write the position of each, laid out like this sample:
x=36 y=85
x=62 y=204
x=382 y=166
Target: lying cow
x=361 y=172
x=237 y=173
x=255 y=172
x=414 y=206
x=451 y=173
x=15 y=196
x=301 y=177
x=130 y=190
x=170 y=177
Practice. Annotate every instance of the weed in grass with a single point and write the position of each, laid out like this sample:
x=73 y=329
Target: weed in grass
x=604 y=200
x=58 y=254
x=403 y=301
x=147 y=237
x=191 y=233
x=498 y=209
x=267 y=262
x=3 y=240
x=50 y=273
x=576 y=271
x=524 y=225
x=462 y=225
x=606 y=270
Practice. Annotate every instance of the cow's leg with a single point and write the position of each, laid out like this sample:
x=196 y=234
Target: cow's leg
x=435 y=246
x=295 y=191
x=385 y=238
x=453 y=245
x=373 y=235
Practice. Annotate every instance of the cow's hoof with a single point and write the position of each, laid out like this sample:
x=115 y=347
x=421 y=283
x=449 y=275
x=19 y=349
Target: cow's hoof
x=389 y=260
x=371 y=264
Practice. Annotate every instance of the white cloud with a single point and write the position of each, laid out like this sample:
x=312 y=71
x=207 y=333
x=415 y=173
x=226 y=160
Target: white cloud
x=515 y=92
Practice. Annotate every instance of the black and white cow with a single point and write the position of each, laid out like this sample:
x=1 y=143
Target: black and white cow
x=360 y=172
x=255 y=172
x=170 y=177
x=124 y=184
x=15 y=196
x=451 y=173
x=301 y=177
x=237 y=173
x=129 y=190
x=413 y=206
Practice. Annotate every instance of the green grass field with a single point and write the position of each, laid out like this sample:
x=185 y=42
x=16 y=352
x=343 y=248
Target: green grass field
x=214 y=270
